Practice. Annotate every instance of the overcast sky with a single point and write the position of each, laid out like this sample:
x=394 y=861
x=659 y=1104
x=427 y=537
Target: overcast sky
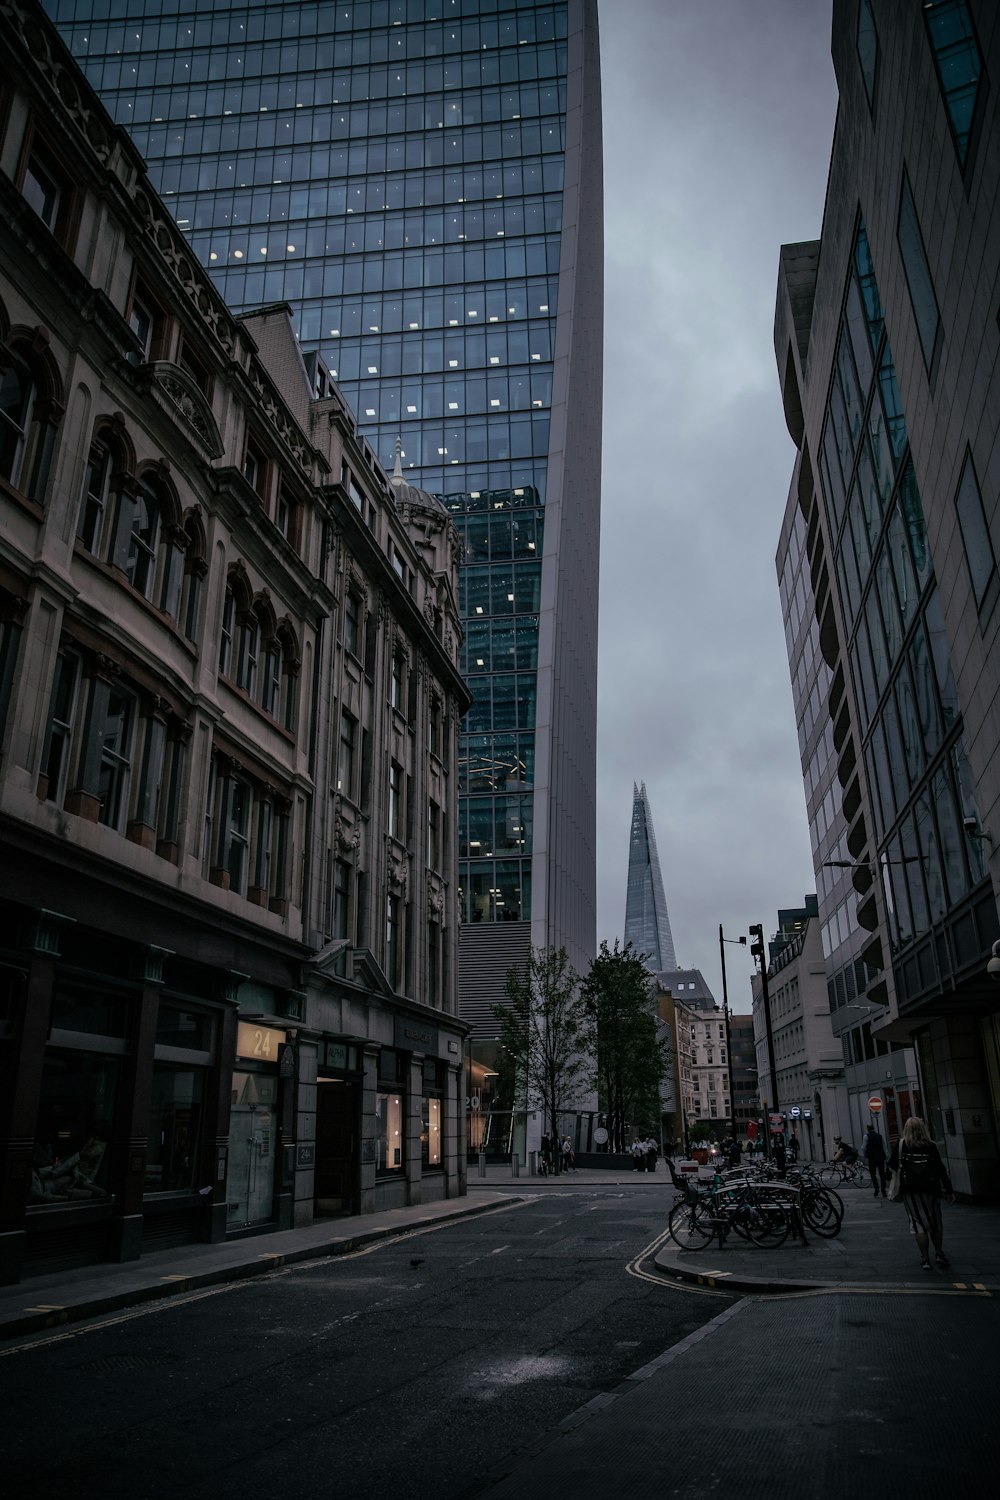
x=718 y=122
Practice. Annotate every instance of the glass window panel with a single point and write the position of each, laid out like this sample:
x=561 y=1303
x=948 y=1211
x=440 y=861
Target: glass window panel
x=175 y=1127
x=917 y=271
x=892 y=403
x=952 y=836
x=913 y=869
x=902 y=566
x=909 y=724
x=925 y=691
x=975 y=532
x=76 y=1114
x=913 y=512
x=869 y=288
x=941 y=655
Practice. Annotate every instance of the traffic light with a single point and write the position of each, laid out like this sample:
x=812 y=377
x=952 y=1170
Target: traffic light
x=757 y=946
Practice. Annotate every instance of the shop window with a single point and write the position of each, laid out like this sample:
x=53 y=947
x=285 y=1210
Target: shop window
x=430 y=1133
x=389 y=1136
x=175 y=1128
x=71 y=1161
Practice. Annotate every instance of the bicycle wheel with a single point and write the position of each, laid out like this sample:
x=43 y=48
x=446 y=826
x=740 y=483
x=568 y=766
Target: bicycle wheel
x=767 y=1225
x=830 y=1176
x=691 y=1225
x=858 y=1176
x=822 y=1212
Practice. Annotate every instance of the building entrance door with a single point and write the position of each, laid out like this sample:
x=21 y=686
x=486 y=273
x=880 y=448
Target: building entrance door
x=336 y=1145
x=252 y=1122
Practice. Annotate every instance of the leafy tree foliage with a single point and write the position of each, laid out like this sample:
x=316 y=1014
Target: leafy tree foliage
x=545 y=1033
x=631 y=1060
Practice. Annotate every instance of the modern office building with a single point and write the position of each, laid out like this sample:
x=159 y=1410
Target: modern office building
x=421 y=181
x=647 y=925
x=887 y=345
x=872 y=1064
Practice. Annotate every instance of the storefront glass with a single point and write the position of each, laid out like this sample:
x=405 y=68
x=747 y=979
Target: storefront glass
x=250 y=1180
x=71 y=1160
x=389 y=1133
x=175 y=1124
x=430 y=1134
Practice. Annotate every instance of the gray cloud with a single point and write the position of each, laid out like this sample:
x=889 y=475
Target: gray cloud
x=718 y=120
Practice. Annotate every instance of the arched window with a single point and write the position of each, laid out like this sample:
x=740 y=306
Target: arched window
x=195 y=568
x=226 y=635
x=96 y=490
x=140 y=568
x=271 y=678
x=30 y=410
x=17 y=396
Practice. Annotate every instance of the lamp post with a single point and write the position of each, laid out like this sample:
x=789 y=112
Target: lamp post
x=723 y=940
x=758 y=951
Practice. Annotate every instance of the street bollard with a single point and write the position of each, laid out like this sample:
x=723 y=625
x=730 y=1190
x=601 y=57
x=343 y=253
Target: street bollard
x=532 y=1163
x=482 y=1163
x=515 y=1164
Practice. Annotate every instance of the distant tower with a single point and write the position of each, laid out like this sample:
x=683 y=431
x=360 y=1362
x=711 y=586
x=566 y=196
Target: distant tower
x=647 y=925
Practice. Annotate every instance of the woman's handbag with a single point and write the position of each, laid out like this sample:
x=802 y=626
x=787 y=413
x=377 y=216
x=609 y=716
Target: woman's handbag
x=896 y=1185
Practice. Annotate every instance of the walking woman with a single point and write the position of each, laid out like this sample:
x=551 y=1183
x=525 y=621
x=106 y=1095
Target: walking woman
x=922 y=1181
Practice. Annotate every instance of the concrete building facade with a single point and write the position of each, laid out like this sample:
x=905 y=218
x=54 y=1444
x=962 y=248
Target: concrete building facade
x=887 y=341
x=230 y=694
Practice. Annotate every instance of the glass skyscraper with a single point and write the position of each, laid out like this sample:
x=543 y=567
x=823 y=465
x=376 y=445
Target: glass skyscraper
x=647 y=925
x=421 y=181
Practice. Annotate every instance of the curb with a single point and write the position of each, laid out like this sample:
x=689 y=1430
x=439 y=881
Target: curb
x=775 y=1286
x=53 y=1316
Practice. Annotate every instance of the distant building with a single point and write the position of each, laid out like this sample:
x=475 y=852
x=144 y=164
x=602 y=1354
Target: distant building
x=647 y=925
x=808 y=1063
x=703 y=1068
x=688 y=986
x=746 y=1098
x=888 y=353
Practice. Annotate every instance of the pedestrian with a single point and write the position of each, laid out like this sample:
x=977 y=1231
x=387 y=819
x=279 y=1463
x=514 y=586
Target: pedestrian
x=638 y=1155
x=568 y=1155
x=873 y=1151
x=734 y=1153
x=650 y=1154
x=780 y=1157
x=793 y=1149
x=922 y=1181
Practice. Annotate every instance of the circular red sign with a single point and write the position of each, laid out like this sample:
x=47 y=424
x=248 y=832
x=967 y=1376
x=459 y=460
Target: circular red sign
x=875 y=1104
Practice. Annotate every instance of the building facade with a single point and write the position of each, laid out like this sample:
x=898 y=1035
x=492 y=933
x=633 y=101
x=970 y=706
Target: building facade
x=887 y=343
x=703 y=1063
x=230 y=698
x=873 y=1065
x=647 y=925
x=745 y=1095
x=807 y=1084
x=422 y=183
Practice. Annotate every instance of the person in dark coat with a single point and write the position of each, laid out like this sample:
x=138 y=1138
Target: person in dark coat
x=779 y=1153
x=923 y=1181
x=873 y=1151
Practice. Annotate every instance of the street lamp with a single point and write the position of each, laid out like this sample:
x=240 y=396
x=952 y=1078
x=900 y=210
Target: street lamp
x=736 y=942
x=758 y=951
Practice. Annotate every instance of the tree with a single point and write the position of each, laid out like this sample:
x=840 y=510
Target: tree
x=544 y=1031
x=631 y=1059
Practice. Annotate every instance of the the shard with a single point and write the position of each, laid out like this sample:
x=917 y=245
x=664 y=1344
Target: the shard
x=647 y=926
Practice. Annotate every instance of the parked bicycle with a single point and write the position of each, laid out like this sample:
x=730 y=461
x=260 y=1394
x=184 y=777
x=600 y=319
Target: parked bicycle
x=762 y=1213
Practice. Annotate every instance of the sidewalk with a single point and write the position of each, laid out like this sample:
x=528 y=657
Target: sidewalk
x=42 y=1302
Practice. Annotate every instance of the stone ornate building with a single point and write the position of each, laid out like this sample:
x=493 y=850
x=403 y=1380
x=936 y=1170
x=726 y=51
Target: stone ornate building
x=230 y=699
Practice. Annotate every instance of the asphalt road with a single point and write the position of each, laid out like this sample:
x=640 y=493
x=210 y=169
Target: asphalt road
x=410 y=1369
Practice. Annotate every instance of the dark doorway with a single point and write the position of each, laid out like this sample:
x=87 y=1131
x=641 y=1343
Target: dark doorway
x=336 y=1145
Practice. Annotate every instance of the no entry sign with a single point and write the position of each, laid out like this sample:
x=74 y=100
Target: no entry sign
x=874 y=1104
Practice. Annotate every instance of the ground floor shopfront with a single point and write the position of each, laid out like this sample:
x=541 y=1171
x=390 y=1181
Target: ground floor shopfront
x=153 y=1094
